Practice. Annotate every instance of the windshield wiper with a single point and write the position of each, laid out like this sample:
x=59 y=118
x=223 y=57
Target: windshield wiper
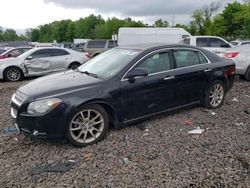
x=89 y=74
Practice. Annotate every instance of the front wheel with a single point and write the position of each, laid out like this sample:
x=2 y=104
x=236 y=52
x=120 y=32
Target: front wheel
x=215 y=95
x=88 y=126
x=13 y=74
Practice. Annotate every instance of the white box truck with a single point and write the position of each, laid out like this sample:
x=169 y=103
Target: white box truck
x=142 y=35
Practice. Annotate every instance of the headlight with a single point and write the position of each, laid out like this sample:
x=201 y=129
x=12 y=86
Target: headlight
x=43 y=106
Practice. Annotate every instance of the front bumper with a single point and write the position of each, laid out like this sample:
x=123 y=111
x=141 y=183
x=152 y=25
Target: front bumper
x=50 y=125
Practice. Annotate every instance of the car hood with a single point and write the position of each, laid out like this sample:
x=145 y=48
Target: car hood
x=59 y=84
x=10 y=60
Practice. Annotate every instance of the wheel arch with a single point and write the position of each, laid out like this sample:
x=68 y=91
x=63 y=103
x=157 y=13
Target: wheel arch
x=74 y=62
x=13 y=66
x=110 y=109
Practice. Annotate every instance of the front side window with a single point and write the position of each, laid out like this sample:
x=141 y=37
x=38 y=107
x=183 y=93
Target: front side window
x=156 y=63
x=109 y=63
x=186 y=41
x=201 y=42
x=185 y=58
x=40 y=54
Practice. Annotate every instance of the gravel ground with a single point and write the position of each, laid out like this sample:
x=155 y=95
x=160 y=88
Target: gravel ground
x=158 y=152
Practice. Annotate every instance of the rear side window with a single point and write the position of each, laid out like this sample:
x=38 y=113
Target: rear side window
x=201 y=42
x=96 y=44
x=112 y=44
x=185 y=58
x=216 y=43
x=202 y=58
x=156 y=63
x=40 y=54
x=57 y=52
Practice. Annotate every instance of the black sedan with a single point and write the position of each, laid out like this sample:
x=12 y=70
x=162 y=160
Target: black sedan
x=118 y=87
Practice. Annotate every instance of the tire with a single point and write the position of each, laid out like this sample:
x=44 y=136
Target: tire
x=215 y=95
x=13 y=74
x=74 y=65
x=247 y=74
x=88 y=125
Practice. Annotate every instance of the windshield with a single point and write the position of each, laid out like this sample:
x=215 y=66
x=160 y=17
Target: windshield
x=109 y=63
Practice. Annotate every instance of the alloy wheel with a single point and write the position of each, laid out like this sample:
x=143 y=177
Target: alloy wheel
x=216 y=95
x=86 y=126
x=13 y=75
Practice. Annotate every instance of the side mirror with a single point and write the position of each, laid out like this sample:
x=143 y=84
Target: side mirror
x=137 y=72
x=225 y=45
x=29 y=58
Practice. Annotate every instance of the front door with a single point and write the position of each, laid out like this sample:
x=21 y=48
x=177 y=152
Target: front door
x=38 y=63
x=150 y=94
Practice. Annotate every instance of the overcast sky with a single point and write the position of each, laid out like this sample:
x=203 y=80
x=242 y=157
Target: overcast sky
x=21 y=14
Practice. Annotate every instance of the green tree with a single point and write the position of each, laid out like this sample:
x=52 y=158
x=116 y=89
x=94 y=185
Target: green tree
x=161 y=23
x=35 y=35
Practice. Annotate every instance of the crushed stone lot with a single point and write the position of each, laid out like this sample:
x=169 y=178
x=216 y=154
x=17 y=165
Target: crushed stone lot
x=158 y=152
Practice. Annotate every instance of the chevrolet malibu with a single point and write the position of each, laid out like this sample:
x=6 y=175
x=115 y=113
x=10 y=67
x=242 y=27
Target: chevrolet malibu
x=118 y=87
x=40 y=61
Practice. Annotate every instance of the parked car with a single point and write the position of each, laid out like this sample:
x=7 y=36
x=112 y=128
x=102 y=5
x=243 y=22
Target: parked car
x=118 y=87
x=2 y=50
x=96 y=47
x=14 y=52
x=241 y=57
x=212 y=43
x=240 y=42
x=141 y=35
x=40 y=61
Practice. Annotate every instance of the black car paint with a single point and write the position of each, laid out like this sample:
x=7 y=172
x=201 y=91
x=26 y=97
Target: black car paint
x=125 y=100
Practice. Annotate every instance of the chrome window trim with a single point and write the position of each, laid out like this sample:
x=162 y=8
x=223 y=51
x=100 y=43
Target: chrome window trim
x=152 y=74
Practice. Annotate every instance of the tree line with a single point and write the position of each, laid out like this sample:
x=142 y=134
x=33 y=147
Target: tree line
x=232 y=23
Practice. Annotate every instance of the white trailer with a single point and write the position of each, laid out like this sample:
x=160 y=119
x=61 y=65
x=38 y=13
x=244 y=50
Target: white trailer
x=142 y=35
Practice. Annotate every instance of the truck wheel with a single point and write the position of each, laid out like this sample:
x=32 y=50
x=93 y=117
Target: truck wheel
x=247 y=74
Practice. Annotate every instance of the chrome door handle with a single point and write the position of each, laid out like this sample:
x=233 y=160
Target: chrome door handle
x=169 y=78
x=207 y=70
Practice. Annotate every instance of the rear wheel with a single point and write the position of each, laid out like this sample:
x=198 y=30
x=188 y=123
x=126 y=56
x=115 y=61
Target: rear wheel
x=215 y=95
x=13 y=74
x=247 y=74
x=88 y=126
x=74 y=65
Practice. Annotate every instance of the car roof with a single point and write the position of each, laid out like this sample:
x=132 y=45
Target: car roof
x=153 y=46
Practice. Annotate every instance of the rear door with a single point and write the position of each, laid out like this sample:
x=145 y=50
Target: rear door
x=60 y=59
x=153 y=93
x=191 y=72
x=38 y=63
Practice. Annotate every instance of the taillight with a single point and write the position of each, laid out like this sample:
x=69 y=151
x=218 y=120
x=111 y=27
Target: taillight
x=230 y=70
x=231 y=54
x=87 y=54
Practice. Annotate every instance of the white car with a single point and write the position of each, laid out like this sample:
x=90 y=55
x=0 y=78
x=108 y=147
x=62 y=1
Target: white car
x=212 y=43
x=241 y=56
x=40 y=61
x=240 y=42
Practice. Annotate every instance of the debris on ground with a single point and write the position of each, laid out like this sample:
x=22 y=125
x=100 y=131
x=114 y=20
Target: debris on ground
x=188 y=122
x=247 y=111
x=197 y=130
x=241 y=124
x=235 y=99
x=61 y=167
x=213 y=113
x=126 y=160
x=88 y=156
x=9 y=130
